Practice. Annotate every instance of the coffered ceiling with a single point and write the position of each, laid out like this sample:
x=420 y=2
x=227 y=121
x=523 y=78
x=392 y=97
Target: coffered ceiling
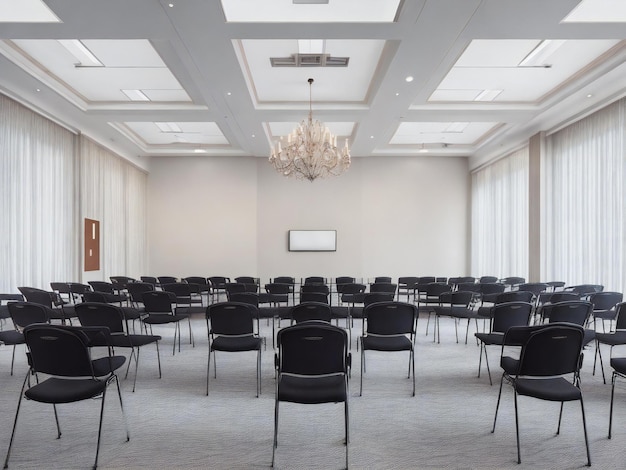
x=471 y=78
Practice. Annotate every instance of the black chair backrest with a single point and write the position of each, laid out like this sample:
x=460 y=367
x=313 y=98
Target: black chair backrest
x=38 y=296
x=137 y=289
x=57 y=350
x=100 y=297
x=218 y=282
x=158 y=301
x=100 y=314
x=488 y=280
x=423 y=280
x=620 y=321
x=374 y=297
x=509 y=314
x=553 y=349
x=314 y=280
x=534 y=287
x=313 y=297
x=122 y=281
x=384 y=287
x=312 y=348
x=512 y=281
x=515 y=296
x=250 y=298
x=306 y=311
x=61 y=287
x=320 y=288
x=605 y=300
x=490 y=288
x=28 y=313
x=277 y=288
x=180 y=289
x=167 y=279
x=150 y=280
x=576 y=311
x=585 y=289
x=343 y=280
x=102 y=286
x=231 y=318
x=199 y=280
x=435 y=289
x=562 y=296
x=408 y=282
x=284 y=280
x=247 y=280
x=469 y=287
x=457 y=298
x=233 y=287
x=390 y=318
x=382 y=279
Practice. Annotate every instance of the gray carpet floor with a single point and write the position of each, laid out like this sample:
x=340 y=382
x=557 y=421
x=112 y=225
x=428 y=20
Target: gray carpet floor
x=173 y=424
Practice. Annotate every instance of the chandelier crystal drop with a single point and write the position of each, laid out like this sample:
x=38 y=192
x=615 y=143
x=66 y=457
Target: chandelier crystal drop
x=310 y=151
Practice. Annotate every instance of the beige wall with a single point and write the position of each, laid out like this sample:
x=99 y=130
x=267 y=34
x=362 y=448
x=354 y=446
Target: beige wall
x=394 y=216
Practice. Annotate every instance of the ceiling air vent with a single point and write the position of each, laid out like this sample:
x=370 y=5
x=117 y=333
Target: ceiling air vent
x=309 y=60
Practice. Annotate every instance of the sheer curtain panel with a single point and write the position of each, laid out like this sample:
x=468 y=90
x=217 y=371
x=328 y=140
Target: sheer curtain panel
x=38 y=176
x=500 y=217
x=584 y=210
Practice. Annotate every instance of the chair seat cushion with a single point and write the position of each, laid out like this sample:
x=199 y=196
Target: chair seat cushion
x=132 y=313
x=509 y=364
x=11 y=337
x=386 y=343
x=162 y=318
x=57 y=390
x=312 y=390
x=554 y=389
x=236 y=343
x=612 y=339
x=129 y=341
x=619 y=364
x=490 y=338
x=457 y=312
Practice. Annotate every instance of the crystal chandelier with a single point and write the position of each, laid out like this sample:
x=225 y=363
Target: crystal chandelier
x=310 y=151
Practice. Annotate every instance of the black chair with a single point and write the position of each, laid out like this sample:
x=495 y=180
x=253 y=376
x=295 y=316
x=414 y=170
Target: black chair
x=383 y=279
x=290 y=281
x=114 y=295
x=58 y=309
x=306 y=311
x=457 y=305
x=585 y=289
x=188 y=301
x=390 y=327
x=549 y=353
x=64 y=354
x=428 y=299
x=200 y=284
x=120 y=283
x=388 y=287
x=166 y=280
x=312 y=366
x=22 y=314
x=112 y=317
x=63 y=290
x=577 y=312
x=314 y=280
x=230 y=327
x=159 y=307
x=604 y=307
x=217 y=286
x=130 y=313
x=251 y=283
x=543 y=310
x=407 y=285
x=136 y=291
x=504 y=315
x=150 y=280
x=487 y=279
x=614 y=338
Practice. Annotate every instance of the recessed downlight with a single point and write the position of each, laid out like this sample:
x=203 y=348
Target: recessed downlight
x=409 y=79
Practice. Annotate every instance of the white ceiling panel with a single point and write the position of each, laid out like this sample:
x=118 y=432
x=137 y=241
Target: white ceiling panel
x=200 y=133
x=344 y=11
x=598 y=11
x=417 y=133
x=340 y=129
x=282 y=84
x=26 y=11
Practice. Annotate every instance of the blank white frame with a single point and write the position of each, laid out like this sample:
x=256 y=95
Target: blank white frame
x=312 y=240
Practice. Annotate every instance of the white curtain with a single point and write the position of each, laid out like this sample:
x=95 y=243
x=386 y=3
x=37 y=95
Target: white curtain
x=500 y=217
x=38 y=226
x=584 y=201
x=115 y=193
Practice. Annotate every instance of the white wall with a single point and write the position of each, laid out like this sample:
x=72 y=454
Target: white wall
x=394 y=216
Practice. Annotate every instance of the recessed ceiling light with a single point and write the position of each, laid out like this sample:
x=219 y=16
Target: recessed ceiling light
x=253 y=136
x=171 y=5
x=37 y=90
x=199 y=151
x=371 y=136
x=409 y=79
x=397 y=94
x=423 y=151
x=589 y=95
x=136 y=95
x=83 y=56
x=228 y=93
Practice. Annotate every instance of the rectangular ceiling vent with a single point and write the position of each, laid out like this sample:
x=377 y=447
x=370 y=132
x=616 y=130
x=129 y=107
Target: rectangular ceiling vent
x=309 y=60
